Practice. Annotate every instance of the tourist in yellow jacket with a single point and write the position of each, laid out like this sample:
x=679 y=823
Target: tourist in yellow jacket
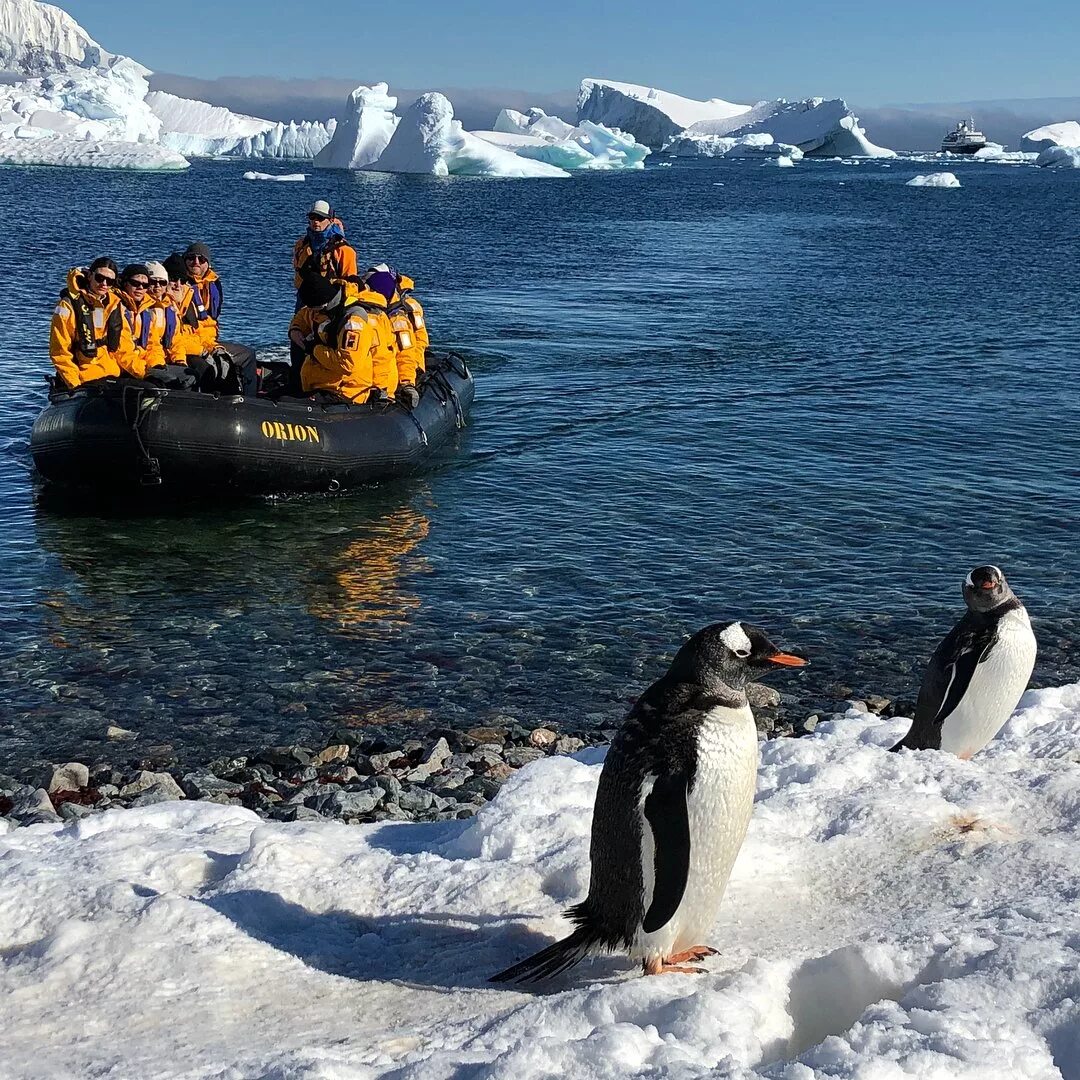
x=135 y=303
x=89 y=338
x=410 y=331
x=208 y=294
x=339 y=340
x=160 y=333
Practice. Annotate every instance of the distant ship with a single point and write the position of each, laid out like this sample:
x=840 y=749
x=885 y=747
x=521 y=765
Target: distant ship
x=965 y=138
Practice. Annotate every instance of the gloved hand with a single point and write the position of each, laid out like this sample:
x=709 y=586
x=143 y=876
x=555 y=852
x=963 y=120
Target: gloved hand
x=222 y=363
x=408 y=395
x=378 y=397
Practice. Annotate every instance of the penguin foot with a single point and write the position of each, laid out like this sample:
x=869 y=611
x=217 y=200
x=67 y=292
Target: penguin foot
x=657 y=966
x=693 y=954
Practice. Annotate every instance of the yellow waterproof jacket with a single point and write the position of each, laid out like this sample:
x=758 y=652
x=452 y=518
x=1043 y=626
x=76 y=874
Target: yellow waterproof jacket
x=207 y=300
x=336 y=261
x=188 y=340
x=410 y=331
x=384 y=368
x=341 y=358
x=133 y=312
x=158 y=334
x=89 y=337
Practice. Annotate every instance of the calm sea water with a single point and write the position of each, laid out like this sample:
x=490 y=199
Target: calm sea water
x=812 y=398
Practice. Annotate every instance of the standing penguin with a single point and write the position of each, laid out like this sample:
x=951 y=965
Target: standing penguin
x=671 y=811
x=978 y=673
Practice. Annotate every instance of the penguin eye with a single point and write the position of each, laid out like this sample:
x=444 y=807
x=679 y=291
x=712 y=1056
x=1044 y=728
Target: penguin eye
x=742 y=652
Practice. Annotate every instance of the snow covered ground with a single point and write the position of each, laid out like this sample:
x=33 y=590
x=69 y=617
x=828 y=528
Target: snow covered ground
x=890 y=916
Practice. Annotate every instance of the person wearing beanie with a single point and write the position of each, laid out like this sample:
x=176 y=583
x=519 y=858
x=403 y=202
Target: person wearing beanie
x=322 y=250
x=158 y=331
x=88 y=337
x=410 y=327
x=337 y=340
x=180 y=296
x=206 y=284
x=376 y=283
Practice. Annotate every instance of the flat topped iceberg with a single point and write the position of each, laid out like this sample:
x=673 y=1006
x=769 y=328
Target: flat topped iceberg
x=1066 y=133
x=651 y=116
x=282 y=177
x=90 y=153
x=905 y=915
x=819 y=127
x=364 y=132
x=936 y=180
x=428 y=140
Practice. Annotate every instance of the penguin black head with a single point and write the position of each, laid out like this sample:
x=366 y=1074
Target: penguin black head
x=985 y=588
x=730 y=653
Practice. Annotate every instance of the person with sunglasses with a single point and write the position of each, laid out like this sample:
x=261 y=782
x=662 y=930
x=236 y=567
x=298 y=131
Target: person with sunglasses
x=135 y=303
x=208 y=298
x=89 y=338
x=322 y=250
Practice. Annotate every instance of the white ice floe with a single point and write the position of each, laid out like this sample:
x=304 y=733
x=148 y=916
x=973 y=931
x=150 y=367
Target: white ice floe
x=651 y=116
x=937 y=180
x=1067 y=133
x=363 y=133
x=784 y=161
x=296 y=177
x=1067 y=156
x=87 y=153
x=904 y=915
x=818 y=127
x=430 y=141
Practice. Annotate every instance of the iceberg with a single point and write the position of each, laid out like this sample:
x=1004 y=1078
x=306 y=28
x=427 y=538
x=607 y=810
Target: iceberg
x=540 y=137
x=36 y=39
x=819 y=127
x=1066 y=133
x=364 y=133
x=651 y=116
x=295 y=177
x=1067 y=156
x=935 y=180
x=428 y=140
x=90 y=153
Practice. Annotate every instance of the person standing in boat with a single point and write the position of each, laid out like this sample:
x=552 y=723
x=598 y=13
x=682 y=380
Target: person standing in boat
x=89 y=338
x=322 y=251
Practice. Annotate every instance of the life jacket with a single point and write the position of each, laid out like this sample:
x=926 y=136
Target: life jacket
x=90 y=320
x=323 y=264
x=146 y=323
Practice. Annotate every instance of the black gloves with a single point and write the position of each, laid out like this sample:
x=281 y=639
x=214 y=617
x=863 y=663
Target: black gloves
x=408 y=396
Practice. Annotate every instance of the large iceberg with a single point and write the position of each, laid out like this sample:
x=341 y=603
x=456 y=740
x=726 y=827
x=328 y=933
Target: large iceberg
x=1067 y=156
x=364 y=133
x=540 y=137
x=1066 y=133
x=652 y=116
x=819 y=127
x=36 y=39
x=428 y=140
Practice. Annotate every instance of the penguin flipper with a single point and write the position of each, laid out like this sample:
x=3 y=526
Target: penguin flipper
x=665 y=810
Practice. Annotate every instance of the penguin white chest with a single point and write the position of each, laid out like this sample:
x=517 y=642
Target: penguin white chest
x=718 y=808
x=996 y=687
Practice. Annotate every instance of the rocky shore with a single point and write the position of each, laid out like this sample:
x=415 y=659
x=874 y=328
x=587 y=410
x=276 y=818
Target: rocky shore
x=358 y=776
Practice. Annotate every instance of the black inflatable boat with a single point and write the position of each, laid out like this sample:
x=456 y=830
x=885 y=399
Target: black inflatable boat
x=120 y=436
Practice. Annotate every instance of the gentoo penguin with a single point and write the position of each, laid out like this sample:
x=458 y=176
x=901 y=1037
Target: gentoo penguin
x=978 y=672
x=672 y=807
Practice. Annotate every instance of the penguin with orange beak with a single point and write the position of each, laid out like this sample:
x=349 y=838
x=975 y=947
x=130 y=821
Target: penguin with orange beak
x=672 y=809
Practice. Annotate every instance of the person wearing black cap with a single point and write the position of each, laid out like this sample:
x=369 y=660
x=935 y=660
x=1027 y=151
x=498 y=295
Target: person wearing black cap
x=338 y=340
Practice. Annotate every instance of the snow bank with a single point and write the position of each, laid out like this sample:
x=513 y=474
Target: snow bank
x=1066 y=133
x=294 y=177
x=651 y=116
x=429 y=140
x=1068 y=156
x=364 y=132
x=818 y=127
x=890 y=915
x=938 y=180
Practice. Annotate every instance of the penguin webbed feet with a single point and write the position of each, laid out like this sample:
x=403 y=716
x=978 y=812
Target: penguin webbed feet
x=678 y=963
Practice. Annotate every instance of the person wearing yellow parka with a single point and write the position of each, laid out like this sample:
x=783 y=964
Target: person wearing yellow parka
x=181 y=298
x=135 y=304
x=410 y=330
x=160 y=333
x=88 y=337
x=208 y=293
x=340 y=342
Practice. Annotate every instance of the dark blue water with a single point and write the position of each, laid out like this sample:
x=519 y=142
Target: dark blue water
x=811 y=397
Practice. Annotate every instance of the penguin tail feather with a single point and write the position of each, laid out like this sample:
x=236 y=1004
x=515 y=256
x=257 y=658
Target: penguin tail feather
x=553 y=960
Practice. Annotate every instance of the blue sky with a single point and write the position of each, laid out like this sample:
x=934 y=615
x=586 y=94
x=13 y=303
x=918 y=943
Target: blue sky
x=870 y=53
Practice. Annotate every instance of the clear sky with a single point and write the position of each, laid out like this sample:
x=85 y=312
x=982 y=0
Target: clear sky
x=866 y=51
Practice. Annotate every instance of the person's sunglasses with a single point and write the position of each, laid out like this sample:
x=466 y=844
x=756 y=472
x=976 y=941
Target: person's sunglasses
x=159 y=283
x=104 y=279
x=194 y=258
x=138 y=284
x=317 y=217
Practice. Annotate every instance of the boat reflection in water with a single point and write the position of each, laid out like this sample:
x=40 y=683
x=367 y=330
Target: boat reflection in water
x=228 y=627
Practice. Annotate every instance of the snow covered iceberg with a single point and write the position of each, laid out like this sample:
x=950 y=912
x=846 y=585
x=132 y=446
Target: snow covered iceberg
x=890 y=915
x=1036 y=141
x=364 y=132
x=935 y=180
x=541 y=137
x=1062 y=156
x=428 y=140
x=651 y=116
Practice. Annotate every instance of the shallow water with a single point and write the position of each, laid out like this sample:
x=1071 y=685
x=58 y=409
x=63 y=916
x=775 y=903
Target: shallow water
x=812 y=398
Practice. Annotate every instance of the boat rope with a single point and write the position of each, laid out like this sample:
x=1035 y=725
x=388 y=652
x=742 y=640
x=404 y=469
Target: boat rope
x=150 y=470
